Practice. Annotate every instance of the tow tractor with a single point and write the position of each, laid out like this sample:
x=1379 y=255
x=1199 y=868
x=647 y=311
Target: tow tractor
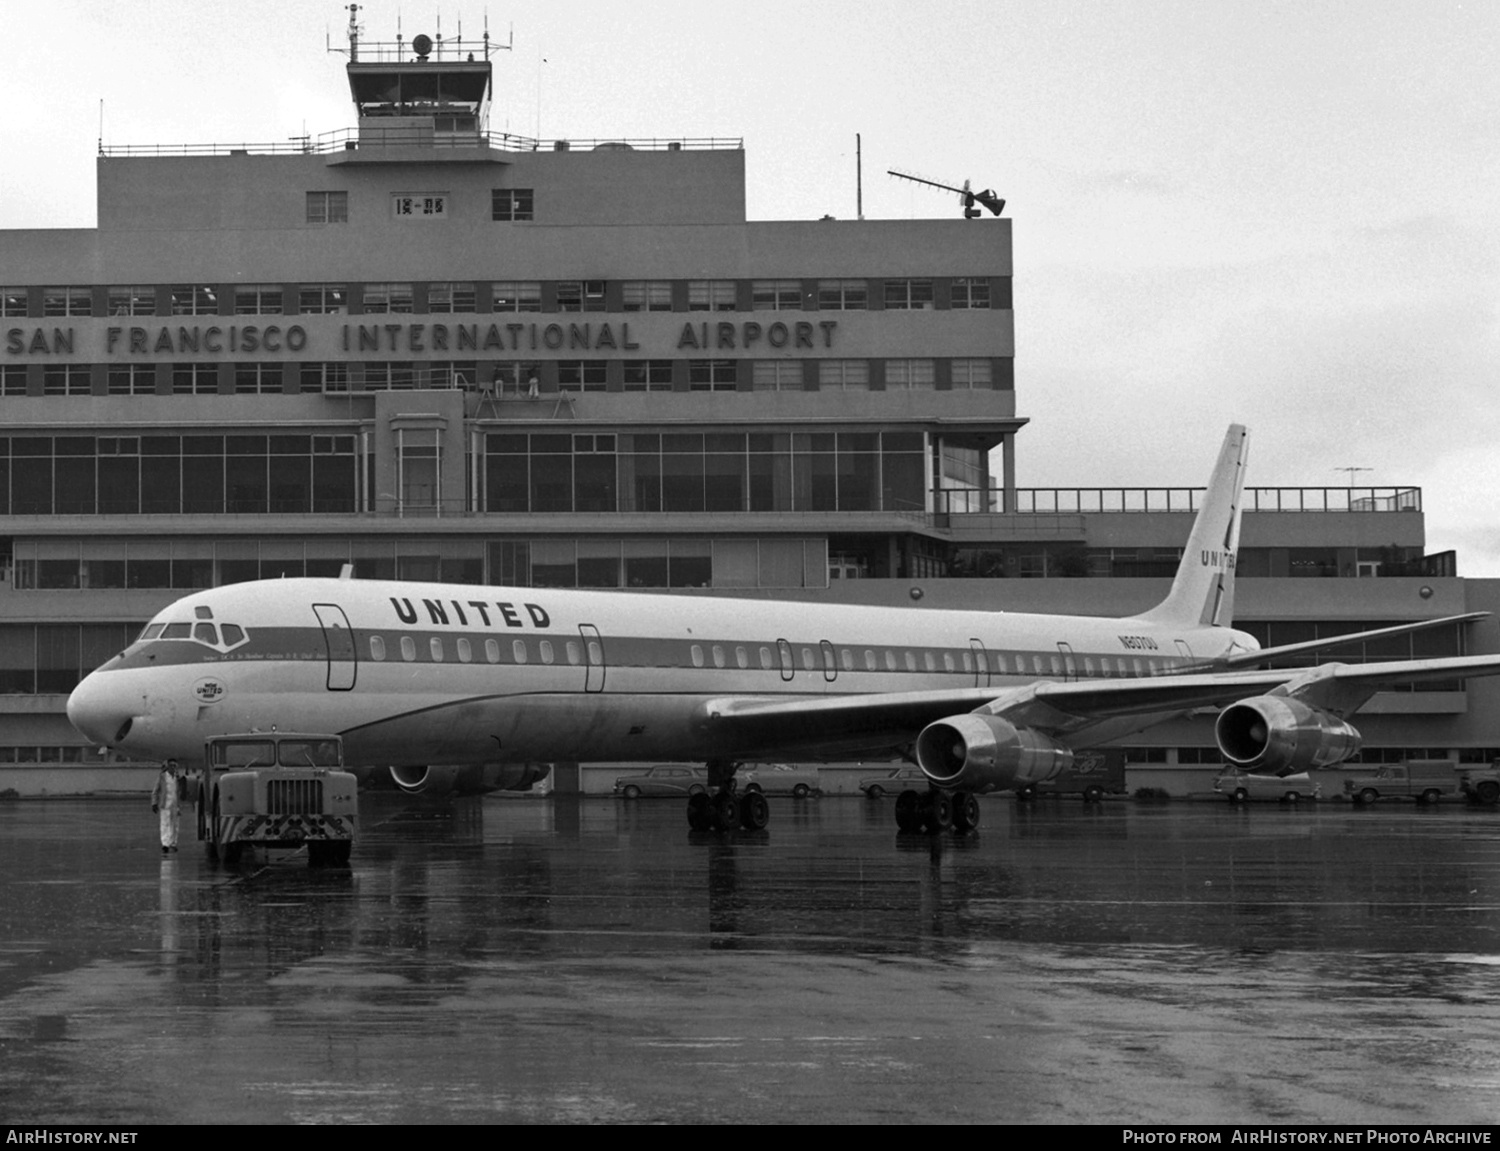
x=277 y=789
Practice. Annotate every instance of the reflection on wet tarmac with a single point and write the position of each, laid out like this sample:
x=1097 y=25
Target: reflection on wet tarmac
x=558 y=960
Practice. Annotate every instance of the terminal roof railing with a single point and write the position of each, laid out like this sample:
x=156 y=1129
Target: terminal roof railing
x=348 y=140
x=1085 y=501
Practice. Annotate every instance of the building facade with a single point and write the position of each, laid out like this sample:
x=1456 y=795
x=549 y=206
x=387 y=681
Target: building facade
x=430 y=351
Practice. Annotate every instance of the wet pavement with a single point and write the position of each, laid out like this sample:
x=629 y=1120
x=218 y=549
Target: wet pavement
x=591 y=960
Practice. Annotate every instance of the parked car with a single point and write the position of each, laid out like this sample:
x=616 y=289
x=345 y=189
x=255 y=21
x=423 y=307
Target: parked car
x=1425 y=780
x=893 y=782
x=1246 y=786
x=664 y=779
x=779 y=779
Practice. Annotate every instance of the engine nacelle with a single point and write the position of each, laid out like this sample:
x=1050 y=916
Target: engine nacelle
x=467 y=778
x=1272 y=733
x=986 y=753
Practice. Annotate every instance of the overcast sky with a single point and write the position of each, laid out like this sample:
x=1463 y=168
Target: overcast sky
x=1282 y=214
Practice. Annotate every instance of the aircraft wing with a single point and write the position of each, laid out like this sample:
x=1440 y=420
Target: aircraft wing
x=1267 y=654
x=746 y=725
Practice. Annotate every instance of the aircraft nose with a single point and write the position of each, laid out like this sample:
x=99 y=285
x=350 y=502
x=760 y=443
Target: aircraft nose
x=99 y=711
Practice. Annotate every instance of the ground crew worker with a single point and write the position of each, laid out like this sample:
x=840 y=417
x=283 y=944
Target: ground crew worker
x=166 y=802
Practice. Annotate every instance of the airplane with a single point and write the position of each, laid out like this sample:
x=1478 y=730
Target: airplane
x=982 y=701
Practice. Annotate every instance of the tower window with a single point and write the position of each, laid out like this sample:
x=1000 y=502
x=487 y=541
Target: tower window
x=328 y=207
x=511 y=204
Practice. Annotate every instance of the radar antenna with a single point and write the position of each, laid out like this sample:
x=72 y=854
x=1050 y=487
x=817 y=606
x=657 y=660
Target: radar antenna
x=966 y=195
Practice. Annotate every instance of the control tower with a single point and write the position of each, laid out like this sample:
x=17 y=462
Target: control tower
x=426 y=92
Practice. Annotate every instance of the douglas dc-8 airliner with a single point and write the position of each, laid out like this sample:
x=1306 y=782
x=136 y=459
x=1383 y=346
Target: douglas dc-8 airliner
x=417 y=673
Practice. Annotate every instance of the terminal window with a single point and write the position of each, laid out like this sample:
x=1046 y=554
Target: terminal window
x=646 y=296
x=195 y=379
x=969 y=374
x=580 y=296
x=379 y=298
x=328 y=376
x=581 y=376
x=12 y=380
x=322 y=299
x=908 y=295
x=194 y=300
x=67 y=302
x=919 y=374
x=971 y=293
x=66 y=380
x=257 y=300
x=12 y=302
x=511 y=204
x=710 y=295
x=776 y=376
x=842 y=295
x=776 y=295
x=451 y=297
x=516 y=296
x=844 y=375
x=257 y=379
x=132 y=301
x=712 y=375
x=328 y=207
x=132 y=379
x=641 y=376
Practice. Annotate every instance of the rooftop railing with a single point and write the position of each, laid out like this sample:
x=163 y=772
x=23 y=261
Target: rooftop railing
x=1087 y=501
x=349 y=140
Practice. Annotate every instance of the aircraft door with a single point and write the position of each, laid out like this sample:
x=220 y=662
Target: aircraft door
x=1070 y=662
x=1186 y=652
x=981 y=663
x=343 y=661
x=593 y=657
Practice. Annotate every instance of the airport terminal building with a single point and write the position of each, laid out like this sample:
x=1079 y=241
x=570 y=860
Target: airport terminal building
x=431 y=351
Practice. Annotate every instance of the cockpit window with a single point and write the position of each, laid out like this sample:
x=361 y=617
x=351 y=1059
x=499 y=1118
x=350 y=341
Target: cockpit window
x=152 y=630
x=233 y=635
x=206 y=633
x=176 y=631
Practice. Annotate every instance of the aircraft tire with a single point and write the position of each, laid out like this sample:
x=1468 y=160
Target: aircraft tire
x=965 y=811
x=726 y=811
x=755 y=812
x=909 y=810
x=700 y=814
x=938 y=812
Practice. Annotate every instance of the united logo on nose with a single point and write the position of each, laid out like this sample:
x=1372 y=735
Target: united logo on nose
x=209 y=691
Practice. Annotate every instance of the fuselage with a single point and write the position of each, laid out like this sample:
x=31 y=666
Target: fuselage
x=433 y=673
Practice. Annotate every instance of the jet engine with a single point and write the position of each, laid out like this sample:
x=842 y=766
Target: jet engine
x=466 y=778
x=985 y=753
x=1275 y=734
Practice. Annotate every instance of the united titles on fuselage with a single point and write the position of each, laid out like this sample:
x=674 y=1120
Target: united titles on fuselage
x=508 y=614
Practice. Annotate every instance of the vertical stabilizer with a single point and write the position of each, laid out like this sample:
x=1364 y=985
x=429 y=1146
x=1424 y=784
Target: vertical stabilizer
x=1203 y=590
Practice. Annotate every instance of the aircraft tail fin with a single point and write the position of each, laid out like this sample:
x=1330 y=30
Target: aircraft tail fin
x=1203 y=590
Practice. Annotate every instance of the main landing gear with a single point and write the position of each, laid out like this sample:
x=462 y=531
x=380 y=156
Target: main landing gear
x=721 y=809
x=933 y=811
